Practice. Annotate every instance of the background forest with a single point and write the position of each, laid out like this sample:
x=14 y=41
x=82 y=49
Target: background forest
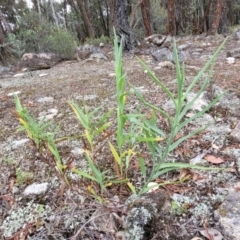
x=59 y=26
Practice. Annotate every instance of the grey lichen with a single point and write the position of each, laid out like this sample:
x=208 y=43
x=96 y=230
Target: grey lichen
x=136 y=220
x=17 y=219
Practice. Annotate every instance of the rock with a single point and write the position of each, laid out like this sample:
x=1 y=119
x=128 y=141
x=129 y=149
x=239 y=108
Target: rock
x=236 y=132
x=236 y=35
x=19 y=143
x=160 y=40
x=234 y=53
x=103 y=221
x=169 y=107
x=163 y=54
x=234 y=153
x=217 y=133
x=89 y=52
x=33 y=61
x=229 y=101
x=43 y=74
x=87 y=97
x=50 y=114
x=19 y=75
x=230 y=60
x=77 y=151
x=13 y=93
x=204 y=120
x=230 y=215
x=166 y=64
x=36 y=189
x=97 y=56
x=4 y=69
x=200 y=103
x=45 y=99
x=183 y=46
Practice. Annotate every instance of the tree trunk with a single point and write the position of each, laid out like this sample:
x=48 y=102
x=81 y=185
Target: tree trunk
x=65 y=14
x=5 y=23
x=102 y=20
x=85 y=18
x=171 y=17
x=54 y=14
x=217 y=16
x=39 y=10
x=121 y=24
x=224 y=21
x=147 y=17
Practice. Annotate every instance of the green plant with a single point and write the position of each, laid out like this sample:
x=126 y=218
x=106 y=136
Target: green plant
x=176 y=123
x=97 y=41
x=94 y=128
x=43 y=138
x=23 y=177
x=127 y=139
x=60 y=42
x=131 y=130
x=41 y=36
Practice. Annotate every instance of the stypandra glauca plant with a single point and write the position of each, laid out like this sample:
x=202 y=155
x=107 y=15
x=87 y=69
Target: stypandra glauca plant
x=160 y=153
x=126 y=140
x=94 y=138
x=42 y=134
x=130 y=131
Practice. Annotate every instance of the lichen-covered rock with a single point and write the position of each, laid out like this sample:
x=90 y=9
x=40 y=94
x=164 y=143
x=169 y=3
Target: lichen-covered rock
x=230 y=215
x=160 y=40
x=145 y=213
x=36 y=189
x=17 y=218
x=165 y=54
x=33 y=61
x=89 y=52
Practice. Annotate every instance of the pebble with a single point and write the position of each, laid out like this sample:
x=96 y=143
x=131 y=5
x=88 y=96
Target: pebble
x=36 y=189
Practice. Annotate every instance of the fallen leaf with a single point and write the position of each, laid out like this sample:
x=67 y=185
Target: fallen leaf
x=213 y=159
x=184 y=172
x=215 y=234
x=8 y=198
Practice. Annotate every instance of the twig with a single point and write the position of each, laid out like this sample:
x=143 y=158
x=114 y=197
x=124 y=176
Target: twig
x=78 y=232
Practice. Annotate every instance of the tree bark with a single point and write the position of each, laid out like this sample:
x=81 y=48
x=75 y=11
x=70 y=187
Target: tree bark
x=85 y=18
x=39 y=10
x=102 y=20
x=217 y=16
x=121 y=24
x=54 y=14
x=5 y=23
x=147 y=17
x=171 y=18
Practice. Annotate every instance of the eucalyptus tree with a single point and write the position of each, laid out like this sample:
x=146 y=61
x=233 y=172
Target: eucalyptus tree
x=119 y=20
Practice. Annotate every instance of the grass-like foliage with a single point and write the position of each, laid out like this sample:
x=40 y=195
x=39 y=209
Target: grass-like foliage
x=176 y=123
x=43 y=137
x=124 y=138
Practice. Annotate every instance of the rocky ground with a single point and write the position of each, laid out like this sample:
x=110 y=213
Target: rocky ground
x=33 y=202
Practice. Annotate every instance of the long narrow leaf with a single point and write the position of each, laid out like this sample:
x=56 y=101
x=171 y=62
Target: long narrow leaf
x=206 y=66
x=80 y=115
x=198 y=114
x=157 y=81
x=115 y=154
x=180 y=140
